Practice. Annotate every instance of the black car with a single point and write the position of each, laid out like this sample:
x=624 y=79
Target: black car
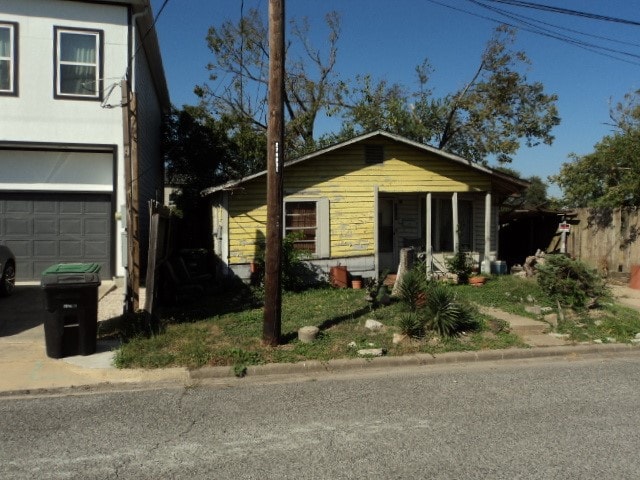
x=8 y=269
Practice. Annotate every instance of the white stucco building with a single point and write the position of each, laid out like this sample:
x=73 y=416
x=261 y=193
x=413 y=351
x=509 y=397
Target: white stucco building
x=62 y=140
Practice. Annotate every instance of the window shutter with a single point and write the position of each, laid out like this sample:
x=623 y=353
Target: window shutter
x=324 y=229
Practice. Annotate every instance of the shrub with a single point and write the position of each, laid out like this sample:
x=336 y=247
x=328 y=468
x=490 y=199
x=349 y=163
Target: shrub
x=446 y=313
x=297 y=275
x=570 y=282
x=411 y=324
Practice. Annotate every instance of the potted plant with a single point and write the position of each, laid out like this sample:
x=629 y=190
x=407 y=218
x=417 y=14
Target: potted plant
x=460 y=264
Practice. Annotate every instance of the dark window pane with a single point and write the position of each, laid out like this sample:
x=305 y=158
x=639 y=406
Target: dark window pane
x=76 y=47
x=5 y=42
x=5 y=79
x=78 y=80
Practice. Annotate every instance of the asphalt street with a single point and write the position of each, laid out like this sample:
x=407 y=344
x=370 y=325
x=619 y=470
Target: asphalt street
x=572 y=417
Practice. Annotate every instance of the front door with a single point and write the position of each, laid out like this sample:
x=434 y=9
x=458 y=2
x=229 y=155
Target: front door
x=386 y=233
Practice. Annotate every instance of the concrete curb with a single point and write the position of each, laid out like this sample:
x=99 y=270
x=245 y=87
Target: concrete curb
x=109 y=380
x=140 y=379
x=339 y=365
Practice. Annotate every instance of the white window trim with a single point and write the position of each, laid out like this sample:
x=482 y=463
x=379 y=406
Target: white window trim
x=323 y=238
x=98 y=35
x=12 y=58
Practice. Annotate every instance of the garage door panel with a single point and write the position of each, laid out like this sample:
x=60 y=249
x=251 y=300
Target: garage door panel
x=71 y=208
x=20 y=248
x=69 y=248
x=43 y=229
x=71 y=226
x=45 y=207
x=95 y=249
x=45 y=226
x=18 y=206
x=45 y=249
x=96 y=226
x=97 y=207
x=18 y=227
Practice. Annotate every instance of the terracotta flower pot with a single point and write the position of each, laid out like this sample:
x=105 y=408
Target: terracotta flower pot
x=477 y=281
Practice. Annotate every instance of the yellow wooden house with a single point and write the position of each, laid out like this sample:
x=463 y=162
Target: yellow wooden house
x=358 y=203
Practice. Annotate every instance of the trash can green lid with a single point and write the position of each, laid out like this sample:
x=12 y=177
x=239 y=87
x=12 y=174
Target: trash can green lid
x=72 y=268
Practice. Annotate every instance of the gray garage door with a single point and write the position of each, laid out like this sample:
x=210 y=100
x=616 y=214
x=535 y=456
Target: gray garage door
x=43 y=229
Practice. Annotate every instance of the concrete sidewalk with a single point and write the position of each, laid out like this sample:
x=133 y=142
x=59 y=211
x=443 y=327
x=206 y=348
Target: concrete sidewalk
x=26 y=367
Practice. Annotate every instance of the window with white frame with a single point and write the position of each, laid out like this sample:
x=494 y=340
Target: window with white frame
x=8 y=58
x=78 y=63
x=308 y=221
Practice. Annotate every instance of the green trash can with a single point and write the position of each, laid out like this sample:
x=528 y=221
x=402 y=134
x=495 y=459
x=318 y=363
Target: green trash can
x=71 y=302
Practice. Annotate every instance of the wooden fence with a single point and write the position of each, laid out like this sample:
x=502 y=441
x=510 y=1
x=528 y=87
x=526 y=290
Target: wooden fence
x=606 y=240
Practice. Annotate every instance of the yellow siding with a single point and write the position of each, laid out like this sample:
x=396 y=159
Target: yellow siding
x=343 y=177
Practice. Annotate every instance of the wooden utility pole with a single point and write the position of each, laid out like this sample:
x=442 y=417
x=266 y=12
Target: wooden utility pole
x=275 y=161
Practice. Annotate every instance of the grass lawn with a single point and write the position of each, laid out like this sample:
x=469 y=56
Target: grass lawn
x=225 y=327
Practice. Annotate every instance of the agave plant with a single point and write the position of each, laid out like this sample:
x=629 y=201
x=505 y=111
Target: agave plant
x=411 y=324
x=411 y=290
x=446 y=314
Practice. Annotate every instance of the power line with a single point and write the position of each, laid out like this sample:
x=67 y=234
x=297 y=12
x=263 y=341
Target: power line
x=566 y=11
x=537 y=29
x=540 y=22
x=518 y=22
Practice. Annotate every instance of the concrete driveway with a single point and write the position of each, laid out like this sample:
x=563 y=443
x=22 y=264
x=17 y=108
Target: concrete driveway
x=23 y=312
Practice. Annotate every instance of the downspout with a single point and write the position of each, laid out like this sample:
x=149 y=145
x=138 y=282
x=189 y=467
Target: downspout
x=134 y=42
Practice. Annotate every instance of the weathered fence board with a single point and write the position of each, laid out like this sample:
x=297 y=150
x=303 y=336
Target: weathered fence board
x=608 y=240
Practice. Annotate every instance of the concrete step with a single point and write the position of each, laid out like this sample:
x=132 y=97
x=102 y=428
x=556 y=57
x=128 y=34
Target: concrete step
x=521 y=326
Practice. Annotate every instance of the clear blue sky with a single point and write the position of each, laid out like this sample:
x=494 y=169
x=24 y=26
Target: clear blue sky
x=389 y=38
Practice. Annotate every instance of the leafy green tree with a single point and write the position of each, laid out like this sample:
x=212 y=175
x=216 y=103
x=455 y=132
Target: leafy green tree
x=200 y=151
x=371 y=106
x=535 y=196
x=626 y=113
x=489 y=117
x=607 y=177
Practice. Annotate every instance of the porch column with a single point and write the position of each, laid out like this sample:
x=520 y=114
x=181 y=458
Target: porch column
x=485 y=265
x=428 y=242
x=376 y=231
x=454 y=213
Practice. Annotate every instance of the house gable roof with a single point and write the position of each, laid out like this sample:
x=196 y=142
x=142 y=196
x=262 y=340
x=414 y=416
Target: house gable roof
x=502 y=180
